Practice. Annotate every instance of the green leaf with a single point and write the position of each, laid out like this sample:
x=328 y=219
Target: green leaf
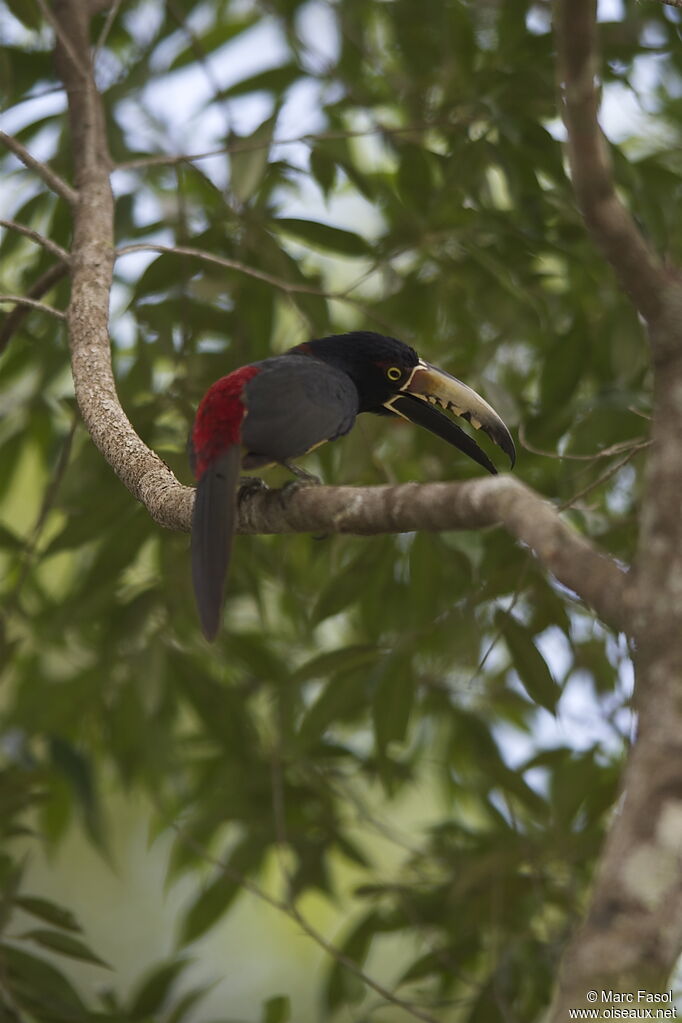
x=77 y=769
x=341 y=590
x=343 y=659
x=276 y=1010
x=154 y=991
x=65 y=944
x=276 y=80
x=10 y=882
x=48 y=911
x=219 y=895
x=40 y=988
x=205 y=912
x=323 y=169
x=27 y=12
x=342 y=986
x=213 y=40
x=576 y=778
x=564 y=366
x=323 y=236
x=415 y=178
x=529 y=663
x=186 y=1003
x=9 y=540
x=607 y=422
x=393 y=700
x=220 y=709
x=247 y=166
x=164 y=273
x=339 y=699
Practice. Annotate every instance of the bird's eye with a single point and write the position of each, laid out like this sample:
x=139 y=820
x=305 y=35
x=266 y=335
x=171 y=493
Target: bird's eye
x=393 y=373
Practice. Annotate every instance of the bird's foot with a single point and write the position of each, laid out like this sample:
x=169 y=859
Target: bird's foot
x=291 y=486
x=249 y=485
x=301 y=476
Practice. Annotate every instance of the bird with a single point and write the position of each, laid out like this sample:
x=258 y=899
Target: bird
x=280 y=408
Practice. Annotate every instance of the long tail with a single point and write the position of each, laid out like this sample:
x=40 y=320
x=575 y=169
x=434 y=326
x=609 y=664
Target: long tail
x=213 y=521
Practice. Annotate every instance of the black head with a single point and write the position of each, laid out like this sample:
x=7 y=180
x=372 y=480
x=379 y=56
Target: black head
x=378 y=365
x=392 y=379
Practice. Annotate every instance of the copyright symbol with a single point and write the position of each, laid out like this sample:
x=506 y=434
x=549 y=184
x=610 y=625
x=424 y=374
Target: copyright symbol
x=592 y=996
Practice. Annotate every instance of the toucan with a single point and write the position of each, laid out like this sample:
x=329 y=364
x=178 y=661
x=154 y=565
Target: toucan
x=273 y=411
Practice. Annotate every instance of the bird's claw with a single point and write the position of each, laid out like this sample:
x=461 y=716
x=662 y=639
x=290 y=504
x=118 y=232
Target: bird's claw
x=302 y=476
x=249 y=485
x=292 y=486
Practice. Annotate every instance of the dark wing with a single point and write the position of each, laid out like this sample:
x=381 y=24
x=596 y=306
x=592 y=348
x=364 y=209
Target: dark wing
x=212 y=528
x=293 y=404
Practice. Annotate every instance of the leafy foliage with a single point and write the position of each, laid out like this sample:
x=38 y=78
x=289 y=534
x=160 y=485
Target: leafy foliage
x=427 y=197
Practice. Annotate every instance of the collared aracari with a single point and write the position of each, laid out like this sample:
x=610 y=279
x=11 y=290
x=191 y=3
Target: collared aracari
x=278 y=409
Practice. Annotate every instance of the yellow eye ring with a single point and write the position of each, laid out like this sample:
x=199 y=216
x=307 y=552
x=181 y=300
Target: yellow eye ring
x=393 y=373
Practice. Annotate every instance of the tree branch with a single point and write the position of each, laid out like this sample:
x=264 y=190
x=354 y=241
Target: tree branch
x=309 y=138
x=143 y=472
x=611 y=225
x=39 y=288
x=632 y=936
x=106 y=28
x=288 y=908
x=39 y=239
x=52 y=180
x=32 y=303
x=435 y=507
x=429 y=507
x=288 y=287
x=227 y=264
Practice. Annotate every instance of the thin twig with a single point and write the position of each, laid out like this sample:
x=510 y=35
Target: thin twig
x=233 y=264
x=363 y=814
x=52 y=180
x=13 y=320
x=497 y=635
x=106 y=28
x=607 y=474
x=34 y=304
x=288 y=287
x=611 y=471
x=63 y=38
x=38 y=238
x=279 y=815
x=228 y=264
x=293 y=913
x=49 y=498
x=613 y=449
x=202 y=59
x=246 y=145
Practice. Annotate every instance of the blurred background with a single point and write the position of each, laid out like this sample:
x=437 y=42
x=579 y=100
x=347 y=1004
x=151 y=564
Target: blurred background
x=410 y=743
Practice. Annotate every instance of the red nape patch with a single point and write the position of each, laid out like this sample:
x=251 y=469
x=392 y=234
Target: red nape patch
x=219 y=417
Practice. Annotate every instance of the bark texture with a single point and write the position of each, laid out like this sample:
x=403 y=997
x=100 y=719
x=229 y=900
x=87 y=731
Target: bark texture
x=632 y=935
x=432 y=507
x=92 y=260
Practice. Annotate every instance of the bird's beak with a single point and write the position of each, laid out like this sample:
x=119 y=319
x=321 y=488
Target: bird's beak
x=428 y=387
